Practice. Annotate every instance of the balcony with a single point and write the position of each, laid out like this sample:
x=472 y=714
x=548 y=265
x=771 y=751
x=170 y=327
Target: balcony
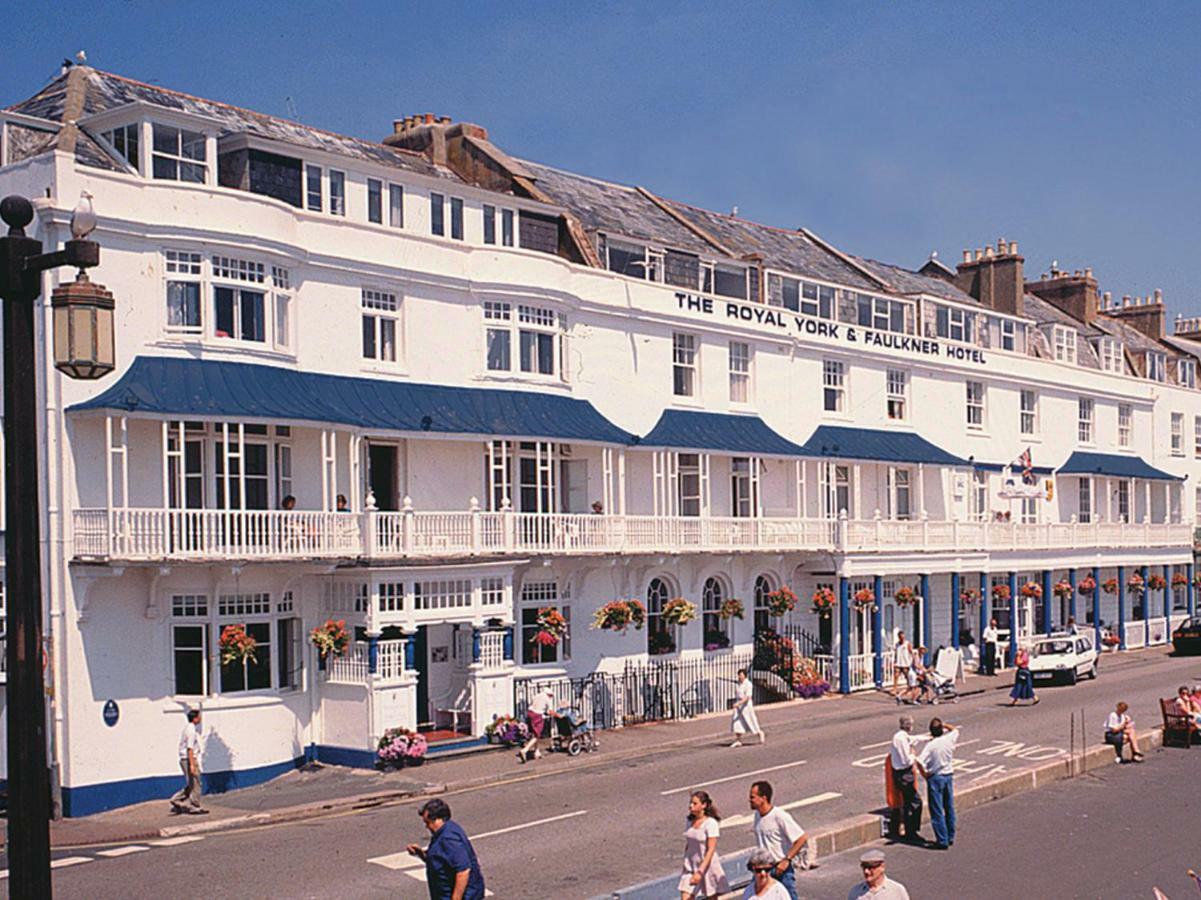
x=134 y=535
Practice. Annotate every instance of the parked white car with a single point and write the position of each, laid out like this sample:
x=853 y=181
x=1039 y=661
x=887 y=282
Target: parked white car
x=1070 y=656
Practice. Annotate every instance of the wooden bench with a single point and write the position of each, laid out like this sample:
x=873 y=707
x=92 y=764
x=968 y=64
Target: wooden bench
x=1178 y=728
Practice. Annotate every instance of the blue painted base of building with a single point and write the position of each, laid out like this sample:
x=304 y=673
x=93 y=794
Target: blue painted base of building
x=95 y=798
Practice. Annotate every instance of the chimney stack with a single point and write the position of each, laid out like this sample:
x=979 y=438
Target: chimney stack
x=1148 y=315
x=1074 y=293
x=437 y=137
x=993 y=276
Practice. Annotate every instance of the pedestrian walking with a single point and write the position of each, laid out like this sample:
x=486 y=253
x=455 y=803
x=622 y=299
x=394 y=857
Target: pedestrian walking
x=703 y=875
x=1119 y=732
x=541 y=709
x=902 y=659
x=988 y=659
x=1023 y=681
x=777 y=832
x=937 y=763
x=763 y=884
x=876 y=885
x=904 y=779
x=743 y=719
x=452 y=870
x=187 y=799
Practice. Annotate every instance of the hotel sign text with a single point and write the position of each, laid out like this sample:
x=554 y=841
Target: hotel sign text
x=787 y=321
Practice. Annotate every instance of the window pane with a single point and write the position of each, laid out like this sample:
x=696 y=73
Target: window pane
x=456 y=218
x=337 y=193
x=283 y=335
x=729 y=281
x=183 y=304
x=167 y=169
x=375 y=201
x=506 y=229
x=166 y=140
x=437 y=214
x=258 y=673
x=314 y=188
x=528 y=349
x=546 y=354
x=253 y=326
x=289 y=674
x=223 y=303
x=498 y=350
x=189 y=659
x=387 y=340
x=489 y=224
x=396 y=213
x=368 y=337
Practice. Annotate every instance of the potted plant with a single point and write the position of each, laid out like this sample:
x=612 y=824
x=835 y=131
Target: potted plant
x=905 y=596
x=1110 y=585
x=823 y=601
x=1087 y=585
x=330 y=639
x=865 y=598
x=731 y=609
x=1000 y=593
x=1179 y=579
x=619 y=615
x=660 y=642
x=679 y=611
x=1062 y=589
x=968 y=596
x=506 y=730
x=551 y=627
x=236 y=645
x=781 y=601
x=1135 y=584
x=400 y=747
x=807 y=681
x=1156 y=582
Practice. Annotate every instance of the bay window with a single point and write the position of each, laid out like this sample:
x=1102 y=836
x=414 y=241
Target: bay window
x=314 y=196
x=539 y=334
x=880 y=313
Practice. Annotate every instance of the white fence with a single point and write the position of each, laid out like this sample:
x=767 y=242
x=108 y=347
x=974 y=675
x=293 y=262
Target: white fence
x=351 y=668
x=149 y=534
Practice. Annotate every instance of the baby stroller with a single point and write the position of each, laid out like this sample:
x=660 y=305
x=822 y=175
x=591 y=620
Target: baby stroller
x=936 y=687
x=572 y=734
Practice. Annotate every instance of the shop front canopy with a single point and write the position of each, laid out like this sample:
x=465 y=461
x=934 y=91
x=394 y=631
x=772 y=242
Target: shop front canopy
x=1113 y=465
x=876 y=445
x=205 y=389
x=742 y=435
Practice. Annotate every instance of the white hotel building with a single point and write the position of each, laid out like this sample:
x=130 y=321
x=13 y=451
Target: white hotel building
x=474 y=350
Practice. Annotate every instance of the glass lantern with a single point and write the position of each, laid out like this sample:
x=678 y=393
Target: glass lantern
x=83 y=329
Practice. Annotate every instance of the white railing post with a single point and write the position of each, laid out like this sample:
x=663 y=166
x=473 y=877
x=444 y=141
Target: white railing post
x=841 y=539
x=1147 y=529
x=876 y=518
x=408 y=526
x=475 y=526
x=924 y=517
x=508 y=523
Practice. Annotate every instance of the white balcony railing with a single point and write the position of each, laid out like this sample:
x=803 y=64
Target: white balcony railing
x=153 y=534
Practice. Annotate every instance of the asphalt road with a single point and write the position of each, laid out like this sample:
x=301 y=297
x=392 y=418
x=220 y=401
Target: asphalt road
x=580 y=833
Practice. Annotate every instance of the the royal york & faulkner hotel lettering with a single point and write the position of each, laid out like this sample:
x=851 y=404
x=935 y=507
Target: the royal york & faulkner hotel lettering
x=788 y=322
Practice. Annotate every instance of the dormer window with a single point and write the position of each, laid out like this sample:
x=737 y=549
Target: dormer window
x=634 y=260
x=724 y=280
x=1109 y=351
x=1157 y=366
x=126 y=140
x=880 y=313
x=1009 y=333
x=1064 y=342
x=1186 y=373
x=800 y=296
x=179 y=154
x=955 y=324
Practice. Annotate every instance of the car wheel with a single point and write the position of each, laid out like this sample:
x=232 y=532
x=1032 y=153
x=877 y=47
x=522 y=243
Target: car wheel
x=1073 y=676
x=1092 y=673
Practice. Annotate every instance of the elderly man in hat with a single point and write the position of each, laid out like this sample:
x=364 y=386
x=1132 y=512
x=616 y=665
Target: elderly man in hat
x=876 y=884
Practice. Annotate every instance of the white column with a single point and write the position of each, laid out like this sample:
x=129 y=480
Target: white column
x=621 y=481
x=921 y=492
x=855 y=494
x=800 y=488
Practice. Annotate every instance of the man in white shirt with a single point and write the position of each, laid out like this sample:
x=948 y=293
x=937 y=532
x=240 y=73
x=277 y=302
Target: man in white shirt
x=187 y=799
x=937 y=764
x=902 y=659
x=988 y=657
x=904 y=778
x=778 y=833
x=876 y=885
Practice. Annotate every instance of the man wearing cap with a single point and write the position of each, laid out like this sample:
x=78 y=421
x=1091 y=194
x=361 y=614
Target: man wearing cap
x=904 y=778
x=876 y=884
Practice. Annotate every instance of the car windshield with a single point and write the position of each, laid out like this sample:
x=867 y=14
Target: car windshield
x=1052 y=648
x=1194 y=622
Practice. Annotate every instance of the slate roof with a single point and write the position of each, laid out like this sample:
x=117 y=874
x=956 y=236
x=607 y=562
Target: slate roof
x=908 y=282
x=104 y=91
x=1045 y=313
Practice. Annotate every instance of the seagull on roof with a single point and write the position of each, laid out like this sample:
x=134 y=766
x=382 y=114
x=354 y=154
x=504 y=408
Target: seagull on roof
x=83 y=217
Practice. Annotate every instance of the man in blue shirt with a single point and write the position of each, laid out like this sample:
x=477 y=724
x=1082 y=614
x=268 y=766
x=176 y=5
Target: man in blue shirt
x=451 y=868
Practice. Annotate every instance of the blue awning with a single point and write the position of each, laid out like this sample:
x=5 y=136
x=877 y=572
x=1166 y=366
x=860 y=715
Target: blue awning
x=873 y=445
x=1113 y=465
x=203 y=389
x=682 y=429
x=1001 y=467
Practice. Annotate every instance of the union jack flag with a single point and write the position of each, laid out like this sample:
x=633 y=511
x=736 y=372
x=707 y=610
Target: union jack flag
x=1027 y=467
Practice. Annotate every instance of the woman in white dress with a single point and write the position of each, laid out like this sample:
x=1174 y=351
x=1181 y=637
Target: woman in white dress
x=743 y=719
x=703 y=875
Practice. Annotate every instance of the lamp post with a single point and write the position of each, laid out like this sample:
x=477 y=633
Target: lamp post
x=83 y=348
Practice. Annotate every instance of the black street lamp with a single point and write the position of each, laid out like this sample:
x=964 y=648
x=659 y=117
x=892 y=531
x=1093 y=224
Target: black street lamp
x=83 y=348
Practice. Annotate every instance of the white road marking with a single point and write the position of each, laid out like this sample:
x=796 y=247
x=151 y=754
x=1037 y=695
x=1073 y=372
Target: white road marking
x=123 y=851
x=746 y=819
x=70 y=861
x=693 y=787
x=570 y=815
x=175 y=841
x=402 y=860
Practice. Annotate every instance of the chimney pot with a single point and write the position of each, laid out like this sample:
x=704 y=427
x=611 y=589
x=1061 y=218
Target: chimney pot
x=445 y=120
x=1013 y=248
x=967 y=256
x=1125 y=300
x=1044 y=277
x=988 y=254
x=979 y=253
x=1088 y=272
x=429 y=118
x=1158 y=295
x=1001 y=246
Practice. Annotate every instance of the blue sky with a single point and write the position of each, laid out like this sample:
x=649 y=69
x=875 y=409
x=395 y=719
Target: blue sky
x=890 y=129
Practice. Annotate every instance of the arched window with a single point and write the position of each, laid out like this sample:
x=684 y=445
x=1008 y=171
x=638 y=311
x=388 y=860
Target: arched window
x=660 y=636
x=716 y=629
x=762 y=616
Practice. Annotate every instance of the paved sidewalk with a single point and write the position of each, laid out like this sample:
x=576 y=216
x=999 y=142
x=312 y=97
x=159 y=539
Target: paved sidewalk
x=321 y=789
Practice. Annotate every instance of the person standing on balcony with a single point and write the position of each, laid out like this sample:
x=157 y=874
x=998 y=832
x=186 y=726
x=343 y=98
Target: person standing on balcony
x=288 y=503
x=902 y=660
x=598 y=508
x=988 y=658
x=343 y=503
x=187 y=799
x=542 y=708
x=743 y=719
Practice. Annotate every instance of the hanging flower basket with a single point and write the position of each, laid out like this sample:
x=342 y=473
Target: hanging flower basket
x=506 y=730
x=781 y=601
x=236 y=645
x=865 y=598
x=1062 y=589
x=1156 y=582
x=1179 y=579
x=619 y=615
x=1110 y=585
x=731 y=609
x=400 y=747
x=679 y=611
x=1000 y=593
x=1086 y=585
x=823 y=601
x=905 y=596
x=1032 y=590
x=330 y=639
x=1135 y=584
x=551 y=625
x=968 y=596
